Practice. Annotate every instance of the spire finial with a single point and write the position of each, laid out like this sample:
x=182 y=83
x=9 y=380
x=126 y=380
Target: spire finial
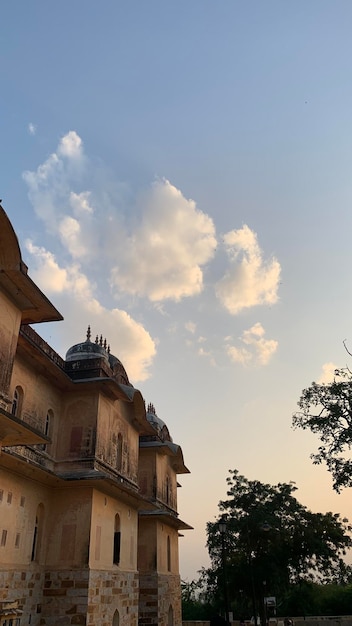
x=101 y=340
x=88 y=333
x=97 y=339
x=105 y=344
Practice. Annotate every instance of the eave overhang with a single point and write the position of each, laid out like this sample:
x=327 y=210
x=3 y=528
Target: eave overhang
x=15 y=432
x=35 y=307
x=162 y=515
x=170 y=449
x=29 y=299
x=117 y=391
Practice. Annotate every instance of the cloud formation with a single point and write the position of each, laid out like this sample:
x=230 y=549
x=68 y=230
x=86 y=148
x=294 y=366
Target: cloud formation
x=71 y=146
x=159 y=256
x=255 y=347
x=128 y=339
x=249 y=281
x=154 y=246
x=163 y=257
x=328 y=373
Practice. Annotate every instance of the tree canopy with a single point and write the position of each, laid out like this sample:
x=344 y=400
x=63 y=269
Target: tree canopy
x=272 y=542
x=326 y=410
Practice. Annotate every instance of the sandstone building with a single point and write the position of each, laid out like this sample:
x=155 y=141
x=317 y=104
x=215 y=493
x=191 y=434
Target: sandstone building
x=88 y=477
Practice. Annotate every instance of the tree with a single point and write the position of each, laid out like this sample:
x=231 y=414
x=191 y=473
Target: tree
x=272 y=543
x=326 y=410
x=194 y=604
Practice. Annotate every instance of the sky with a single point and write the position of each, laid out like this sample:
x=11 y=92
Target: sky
x=179 y=177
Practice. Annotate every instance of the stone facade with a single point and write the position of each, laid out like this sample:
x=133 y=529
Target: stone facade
x=89 y=527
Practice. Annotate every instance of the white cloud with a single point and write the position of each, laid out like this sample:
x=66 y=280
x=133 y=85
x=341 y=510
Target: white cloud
x=70 y=146
x=49 y=187
x=51 y=277
x=255 y=349
x=159 y=256
x=163 y=257
x=74 y=296
x=203 y=352
x=328 y=373
x=249 y=281
x=71 y=237
x=155 y=247
x=32 y=129
x=80 y=202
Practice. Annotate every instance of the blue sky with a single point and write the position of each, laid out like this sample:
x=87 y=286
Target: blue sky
x=178 y=174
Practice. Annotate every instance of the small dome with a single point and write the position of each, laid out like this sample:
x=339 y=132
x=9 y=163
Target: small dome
x=157 y=423
x=88 y=350
x=118 y=369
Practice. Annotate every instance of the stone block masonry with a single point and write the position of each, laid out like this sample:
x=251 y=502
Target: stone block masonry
x=159 y=600
x=66 y=597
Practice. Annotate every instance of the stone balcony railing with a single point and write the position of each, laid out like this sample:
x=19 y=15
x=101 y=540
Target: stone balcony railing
x=30 y=334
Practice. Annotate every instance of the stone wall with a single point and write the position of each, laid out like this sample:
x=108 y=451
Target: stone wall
x=110 y=593
x=159 y=600
x=24 y=588
x=66 y=597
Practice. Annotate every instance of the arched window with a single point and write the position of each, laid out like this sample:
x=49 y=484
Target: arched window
x=47 y=423
x=170 y=616
x=37 y=533
x=17 y=401
x=48 y=428
x=168 y=549
x=116 y=619
x=117 y=541
x=119 y=452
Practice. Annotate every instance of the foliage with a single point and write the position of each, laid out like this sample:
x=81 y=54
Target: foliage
x=194 y=603
x=312 y=599
x=326 y=410
x=272 y=543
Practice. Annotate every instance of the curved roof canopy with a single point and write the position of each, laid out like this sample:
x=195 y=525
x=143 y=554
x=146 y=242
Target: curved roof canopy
x=33 y=304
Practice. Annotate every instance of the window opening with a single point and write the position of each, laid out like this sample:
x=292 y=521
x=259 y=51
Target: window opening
x=37 y=533
x=35 y=539
x=117 y=541
x=168 y=554
x=17 y=401
x=119 y=452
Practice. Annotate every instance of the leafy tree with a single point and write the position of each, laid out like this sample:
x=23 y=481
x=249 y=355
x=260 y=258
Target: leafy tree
x=272 y=542
x=194 y=602
x=326 y=409
x=312 y=599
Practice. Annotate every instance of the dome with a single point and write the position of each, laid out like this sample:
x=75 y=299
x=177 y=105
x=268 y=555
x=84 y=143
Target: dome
x=88 y=350
x=157 y=423
x=118 y=369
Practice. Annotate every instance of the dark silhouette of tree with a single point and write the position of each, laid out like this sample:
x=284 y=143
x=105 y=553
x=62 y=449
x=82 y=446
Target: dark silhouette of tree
x=272 y=543
x=194 y=601
x=326 y=410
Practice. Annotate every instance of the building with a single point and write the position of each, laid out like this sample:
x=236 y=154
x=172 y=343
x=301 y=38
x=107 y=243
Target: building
x=88 y=477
